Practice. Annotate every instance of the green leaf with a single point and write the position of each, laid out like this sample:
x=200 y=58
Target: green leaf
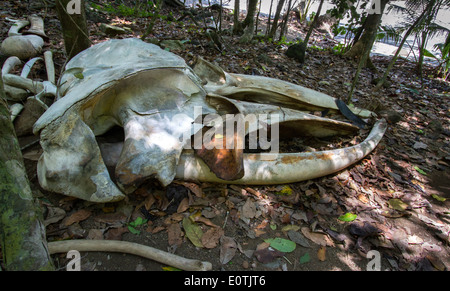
x=285 y=190
x=138 y=221
x=427 y=53
x=347 y=217
x=397 y=204
x=420 y=170
x=133 y=230
x=193 y=232
x=304 y=259
x=281 y=244
x=169 y=268
x=438 y=198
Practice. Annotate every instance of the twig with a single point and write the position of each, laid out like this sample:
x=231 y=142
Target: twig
x=130 y=248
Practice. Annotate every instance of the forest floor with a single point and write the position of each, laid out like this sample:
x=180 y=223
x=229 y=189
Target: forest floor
x=396 y=201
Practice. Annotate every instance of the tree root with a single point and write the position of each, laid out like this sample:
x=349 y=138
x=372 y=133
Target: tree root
x=130 y=248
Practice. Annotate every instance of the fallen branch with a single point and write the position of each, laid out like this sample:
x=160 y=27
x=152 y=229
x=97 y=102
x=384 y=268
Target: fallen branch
x=130 y=248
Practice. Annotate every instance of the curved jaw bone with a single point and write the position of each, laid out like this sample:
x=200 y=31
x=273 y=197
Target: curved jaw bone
x=156 y=98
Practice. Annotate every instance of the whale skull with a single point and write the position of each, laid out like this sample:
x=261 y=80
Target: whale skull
x=154 y=96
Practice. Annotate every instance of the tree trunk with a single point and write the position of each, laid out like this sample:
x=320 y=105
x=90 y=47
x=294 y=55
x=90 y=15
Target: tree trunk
x=365 y=42
x=22 y=233
x=237 y=25
x=274 y=27
x=74 y=27
x=363 y=49
x=251 y=11
x=284 y=25
x=249 y=22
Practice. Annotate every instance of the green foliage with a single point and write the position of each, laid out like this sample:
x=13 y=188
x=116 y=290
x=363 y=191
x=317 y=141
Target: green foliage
x=340 y=49
x=142 y=9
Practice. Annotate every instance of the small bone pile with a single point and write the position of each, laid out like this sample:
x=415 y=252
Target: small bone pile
x=23 y=94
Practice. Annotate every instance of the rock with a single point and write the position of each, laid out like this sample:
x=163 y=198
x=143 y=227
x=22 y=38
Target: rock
x=22 y=46
x=296 y=52
x=391 y=116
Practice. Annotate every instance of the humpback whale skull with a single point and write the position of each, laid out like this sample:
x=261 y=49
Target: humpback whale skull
x=162 y=104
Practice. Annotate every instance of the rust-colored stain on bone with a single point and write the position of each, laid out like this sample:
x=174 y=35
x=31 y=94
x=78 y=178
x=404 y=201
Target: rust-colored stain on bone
x=226 y=164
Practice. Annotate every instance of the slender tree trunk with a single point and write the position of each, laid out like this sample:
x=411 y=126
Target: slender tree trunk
x=362 y=50
x=74 y=28
x=274 y=27
x=237 y=25
x=365 y=42
x=251 y=11
x=285 y=21
x=249 y=22
x=22 y=233
x=407 y=34
x=269 y=18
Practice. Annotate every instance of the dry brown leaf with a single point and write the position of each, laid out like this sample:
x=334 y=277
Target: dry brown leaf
x=228 y=249
x=205 y=221
x=149 y=201
x=249 y=209
x=211 y=237
x=78 y=216
x=183 y=206
x=321 y=253
x=115 y=233
x=196 y=189
x=317 y=237
x=174 y=234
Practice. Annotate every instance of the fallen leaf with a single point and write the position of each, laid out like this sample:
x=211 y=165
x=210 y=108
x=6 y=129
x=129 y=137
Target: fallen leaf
x=183 y=206
x=290 y=227
x=211 y=237
x=55 y=214
x=321 y=253
x=169 y=268
x=267 y=255
x=298 y=238
x=174 y=234
x=285 y=190
x=281 y=244
x=347 y=217
x=78 y=216
x=438 y=198
x=420 y=145
x=193 y=232
x=115 y=233
x=196 y=189
x=228 y=248
x=317 y=237
x=304 y=259
x=249 y=209
x=420 y=170
x=397 y=204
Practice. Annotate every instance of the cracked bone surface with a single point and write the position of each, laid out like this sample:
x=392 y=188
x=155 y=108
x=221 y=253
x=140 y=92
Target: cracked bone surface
x=154 y=96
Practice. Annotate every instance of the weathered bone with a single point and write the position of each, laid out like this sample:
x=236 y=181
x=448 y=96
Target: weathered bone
x=153 y=95
x=22 y=46
x=37 y=26
x=17 y=26
x=283 y=168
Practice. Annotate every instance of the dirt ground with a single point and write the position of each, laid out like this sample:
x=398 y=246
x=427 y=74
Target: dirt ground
x=397 y=198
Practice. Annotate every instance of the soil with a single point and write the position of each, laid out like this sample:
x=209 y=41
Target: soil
x=398 y=196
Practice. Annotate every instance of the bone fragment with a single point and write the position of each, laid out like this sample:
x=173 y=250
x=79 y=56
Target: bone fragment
x=130 y=248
